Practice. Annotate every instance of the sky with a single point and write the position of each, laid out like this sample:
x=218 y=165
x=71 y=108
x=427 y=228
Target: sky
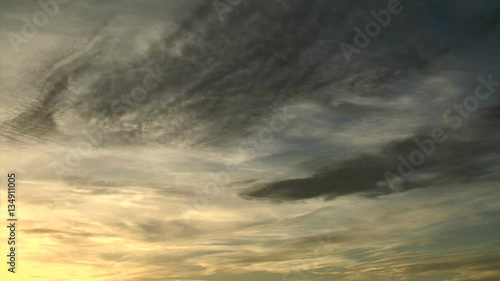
x=251 y=140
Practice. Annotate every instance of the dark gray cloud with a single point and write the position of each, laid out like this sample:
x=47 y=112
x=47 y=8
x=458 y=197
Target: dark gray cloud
x=221 y=79
x=470 y=154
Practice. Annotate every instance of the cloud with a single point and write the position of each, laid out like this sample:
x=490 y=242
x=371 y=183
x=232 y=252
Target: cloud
x=468 y=155
x=219 y=82
x=128 y=209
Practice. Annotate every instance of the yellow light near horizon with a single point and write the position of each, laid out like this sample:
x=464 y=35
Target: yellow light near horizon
x=38 y=270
